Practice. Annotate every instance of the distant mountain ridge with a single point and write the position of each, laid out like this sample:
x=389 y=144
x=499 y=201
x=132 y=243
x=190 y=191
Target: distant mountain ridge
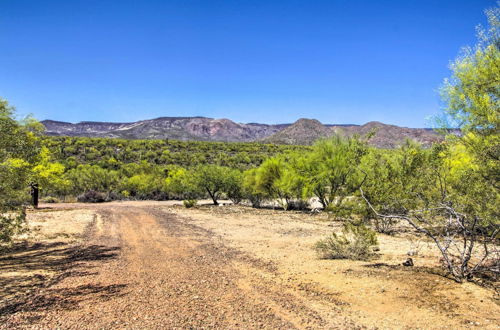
x=303 y=131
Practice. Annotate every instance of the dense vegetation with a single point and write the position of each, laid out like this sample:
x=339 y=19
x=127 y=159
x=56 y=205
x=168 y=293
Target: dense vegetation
x=113 y=153
x=149 y=169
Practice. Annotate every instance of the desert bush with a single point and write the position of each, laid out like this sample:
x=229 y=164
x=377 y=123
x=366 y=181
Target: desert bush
x=349 y=208
x=277 y=179
x=12 y=224
x=356 y=243
x=92 y=196
x=113 y=196
x=189 y=203
x=144 y=181
x=85 y=178
x=382 y=185
x=385 y=225
x=50 y=199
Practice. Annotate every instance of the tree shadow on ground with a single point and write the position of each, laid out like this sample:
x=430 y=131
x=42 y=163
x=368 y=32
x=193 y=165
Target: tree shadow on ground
x=413 y=269
x=29 y=272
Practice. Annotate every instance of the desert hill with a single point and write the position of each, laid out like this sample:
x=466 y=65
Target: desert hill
x=303 y=131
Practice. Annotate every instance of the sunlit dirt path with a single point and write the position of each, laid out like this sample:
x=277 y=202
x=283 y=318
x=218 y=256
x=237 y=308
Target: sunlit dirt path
x=144 y=268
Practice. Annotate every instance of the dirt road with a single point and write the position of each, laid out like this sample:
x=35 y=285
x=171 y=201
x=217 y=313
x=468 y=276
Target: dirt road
x=144 y=268
x=154 y=265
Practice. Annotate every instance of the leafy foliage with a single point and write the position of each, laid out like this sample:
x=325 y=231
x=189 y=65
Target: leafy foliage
x=250 y=189
x=212 y=179
x=331 y=170
x=19 y=150
x=472 y=92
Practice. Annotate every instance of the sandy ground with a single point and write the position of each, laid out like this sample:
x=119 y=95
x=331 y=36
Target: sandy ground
x=159 y=265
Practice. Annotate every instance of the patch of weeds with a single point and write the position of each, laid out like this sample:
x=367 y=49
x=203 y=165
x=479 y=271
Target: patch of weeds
x=357 y=242
x=189 y=203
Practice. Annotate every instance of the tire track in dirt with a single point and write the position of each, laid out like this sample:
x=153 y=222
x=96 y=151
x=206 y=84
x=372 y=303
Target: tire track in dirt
x=168 y=274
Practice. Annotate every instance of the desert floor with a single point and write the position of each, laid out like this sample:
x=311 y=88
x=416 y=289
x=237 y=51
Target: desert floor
x=159 y=265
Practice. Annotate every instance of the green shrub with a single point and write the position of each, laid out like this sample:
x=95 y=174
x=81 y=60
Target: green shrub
x=355 y=243
x=189 y=203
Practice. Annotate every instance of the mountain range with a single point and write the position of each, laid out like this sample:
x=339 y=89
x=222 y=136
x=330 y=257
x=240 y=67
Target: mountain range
x=303 y=131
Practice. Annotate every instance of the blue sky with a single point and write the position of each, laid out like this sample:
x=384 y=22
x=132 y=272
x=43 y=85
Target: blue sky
x=339 y=61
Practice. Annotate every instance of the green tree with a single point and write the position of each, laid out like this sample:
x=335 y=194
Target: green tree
x=49 y=175
x=211 y=179
x=270 y=181
x=19 y=151
x=85 y=178
x=181 y=183
x=234 y=185
x=250 y=189
x=331 y=170
x=472 y=92
x=439 y=194
x=472 y=97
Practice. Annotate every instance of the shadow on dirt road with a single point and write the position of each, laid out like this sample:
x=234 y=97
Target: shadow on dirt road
x=29 y=275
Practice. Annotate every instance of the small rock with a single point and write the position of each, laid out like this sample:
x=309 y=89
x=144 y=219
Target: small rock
x=408 y=262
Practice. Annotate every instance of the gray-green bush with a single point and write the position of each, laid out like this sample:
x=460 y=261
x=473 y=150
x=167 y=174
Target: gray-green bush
x=356 y=243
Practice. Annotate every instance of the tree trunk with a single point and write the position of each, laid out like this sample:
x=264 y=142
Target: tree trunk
x=213 y=196
x=34 y=194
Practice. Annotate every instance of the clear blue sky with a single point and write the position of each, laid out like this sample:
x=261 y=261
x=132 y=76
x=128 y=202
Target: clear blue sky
x=339 y=61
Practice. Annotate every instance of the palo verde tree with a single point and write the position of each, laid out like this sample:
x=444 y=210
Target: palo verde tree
x=426 y=189
x=473 y=103
x=50 y=175
x=19 y=151
x=331 y=170
x=181 y=184
x=277 y=179
x=451 y=193
x=250 y=189
x=472 y=95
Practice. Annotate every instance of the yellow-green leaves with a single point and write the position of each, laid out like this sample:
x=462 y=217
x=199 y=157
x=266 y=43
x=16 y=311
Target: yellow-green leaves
x=472 y=93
